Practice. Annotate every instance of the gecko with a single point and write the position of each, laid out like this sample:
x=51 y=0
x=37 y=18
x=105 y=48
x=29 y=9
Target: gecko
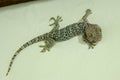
x=91 y=35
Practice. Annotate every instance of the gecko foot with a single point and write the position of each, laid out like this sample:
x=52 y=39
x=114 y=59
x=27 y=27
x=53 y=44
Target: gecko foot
x=49 y=43
x=56 y=21
x=44 y=48
x=91 y=46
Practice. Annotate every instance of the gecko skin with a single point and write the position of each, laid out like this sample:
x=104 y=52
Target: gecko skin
x=91 y=35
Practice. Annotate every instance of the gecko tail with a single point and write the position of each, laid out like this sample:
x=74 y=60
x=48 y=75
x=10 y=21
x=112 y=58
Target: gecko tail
x=34 y=40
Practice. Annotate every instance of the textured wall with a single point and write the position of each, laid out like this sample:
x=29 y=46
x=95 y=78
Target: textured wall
x=68 y=60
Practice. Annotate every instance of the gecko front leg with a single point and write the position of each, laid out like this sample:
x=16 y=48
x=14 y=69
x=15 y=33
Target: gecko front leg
x=90 y=44
x=55 y=24
x=49 y=43
x=84 y=18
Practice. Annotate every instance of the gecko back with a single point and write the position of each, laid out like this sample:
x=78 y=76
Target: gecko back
x=68 y=32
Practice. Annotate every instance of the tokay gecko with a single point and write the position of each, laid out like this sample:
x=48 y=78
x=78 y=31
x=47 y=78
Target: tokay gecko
x=91 y=35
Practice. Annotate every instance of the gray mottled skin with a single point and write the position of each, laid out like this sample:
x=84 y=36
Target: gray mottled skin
x=91 y=35
x=67 y=33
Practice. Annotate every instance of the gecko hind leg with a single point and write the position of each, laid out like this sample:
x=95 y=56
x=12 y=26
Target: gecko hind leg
x=55 y=24
x=49 y=43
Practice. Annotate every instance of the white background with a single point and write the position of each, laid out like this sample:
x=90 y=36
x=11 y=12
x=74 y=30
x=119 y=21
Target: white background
x=69 y=60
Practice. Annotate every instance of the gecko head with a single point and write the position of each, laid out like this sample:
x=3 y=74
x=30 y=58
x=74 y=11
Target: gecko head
x=93 y=33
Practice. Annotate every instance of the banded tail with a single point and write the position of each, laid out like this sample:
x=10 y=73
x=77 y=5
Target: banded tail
x=34 y=40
